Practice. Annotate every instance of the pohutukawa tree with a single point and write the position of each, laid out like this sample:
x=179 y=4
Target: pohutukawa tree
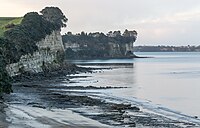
x=54 y=15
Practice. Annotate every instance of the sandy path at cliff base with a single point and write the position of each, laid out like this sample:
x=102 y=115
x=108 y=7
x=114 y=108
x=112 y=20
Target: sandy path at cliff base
x=21 y=116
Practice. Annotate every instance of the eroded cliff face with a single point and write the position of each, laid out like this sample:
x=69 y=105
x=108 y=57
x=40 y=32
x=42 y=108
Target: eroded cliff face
x=49 y=50
x=120 y=50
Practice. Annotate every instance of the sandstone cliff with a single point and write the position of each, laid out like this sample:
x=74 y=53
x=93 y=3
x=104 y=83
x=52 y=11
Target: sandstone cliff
x=48 y=52
x=31 y=46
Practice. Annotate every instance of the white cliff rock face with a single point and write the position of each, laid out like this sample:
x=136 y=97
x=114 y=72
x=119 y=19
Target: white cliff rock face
x=73 y=46
x=119 y=50
x=47 y=53
x=129 y=47
x=114 y=50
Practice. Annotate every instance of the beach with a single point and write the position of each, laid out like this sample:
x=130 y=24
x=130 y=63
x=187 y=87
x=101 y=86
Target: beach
x=78 y=101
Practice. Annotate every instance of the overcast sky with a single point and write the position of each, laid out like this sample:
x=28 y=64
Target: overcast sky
x=158 y=22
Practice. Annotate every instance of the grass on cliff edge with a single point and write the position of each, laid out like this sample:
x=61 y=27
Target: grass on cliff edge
x=8 y=20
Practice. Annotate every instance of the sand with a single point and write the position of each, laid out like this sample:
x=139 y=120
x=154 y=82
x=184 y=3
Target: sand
x=22 y=116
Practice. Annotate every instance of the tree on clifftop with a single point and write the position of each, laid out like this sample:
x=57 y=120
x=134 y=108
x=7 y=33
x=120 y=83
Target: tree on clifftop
x=5 y=85
x=54 y=15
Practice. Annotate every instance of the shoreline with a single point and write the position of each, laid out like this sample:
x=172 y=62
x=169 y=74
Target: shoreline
x=49 y=95
x=107 y=58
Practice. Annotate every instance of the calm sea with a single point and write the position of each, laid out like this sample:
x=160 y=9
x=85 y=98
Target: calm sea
x=169 y=81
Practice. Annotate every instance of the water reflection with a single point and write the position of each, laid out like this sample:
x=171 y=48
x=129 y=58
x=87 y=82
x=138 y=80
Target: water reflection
x=170 y=79
x=121 y=75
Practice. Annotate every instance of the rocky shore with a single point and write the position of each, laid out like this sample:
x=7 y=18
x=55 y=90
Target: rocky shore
x=44 y=93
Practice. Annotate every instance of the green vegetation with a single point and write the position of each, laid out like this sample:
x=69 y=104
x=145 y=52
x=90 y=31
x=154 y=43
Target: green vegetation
x=5 y=85
x=55 y=16
x=97 y=45
x=5 y=22
x=20 y=36
x=24 y=36
x=167 y=48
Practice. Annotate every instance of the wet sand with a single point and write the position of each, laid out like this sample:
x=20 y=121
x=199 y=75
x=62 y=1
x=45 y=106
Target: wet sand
x=3 y=122
x=25 y=116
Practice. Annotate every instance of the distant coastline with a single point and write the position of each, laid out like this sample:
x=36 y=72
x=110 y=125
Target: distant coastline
x=167 y=48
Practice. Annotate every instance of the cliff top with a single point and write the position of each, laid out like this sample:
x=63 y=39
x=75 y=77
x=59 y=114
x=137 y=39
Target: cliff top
x=8 y=22
x=100 y=38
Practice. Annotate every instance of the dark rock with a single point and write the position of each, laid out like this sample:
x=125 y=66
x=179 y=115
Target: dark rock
x=121 y=106
x=132 y=124
x=135 y=108
x=39 y=106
